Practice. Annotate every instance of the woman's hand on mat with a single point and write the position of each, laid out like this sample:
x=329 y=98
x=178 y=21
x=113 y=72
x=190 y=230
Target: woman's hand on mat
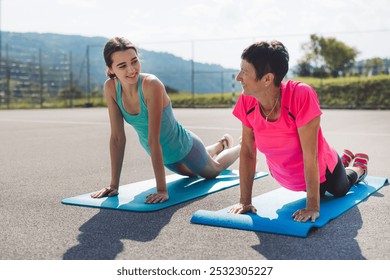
x=243 y=208
x=303 y=215
x=108 y=191
x=158 y=197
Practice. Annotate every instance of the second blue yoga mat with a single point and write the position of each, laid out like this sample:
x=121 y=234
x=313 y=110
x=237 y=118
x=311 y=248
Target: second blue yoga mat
x=132 y=196
x=274 y=210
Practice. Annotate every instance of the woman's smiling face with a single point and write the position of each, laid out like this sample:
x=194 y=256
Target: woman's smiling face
x=126 y=65
x=247 y=78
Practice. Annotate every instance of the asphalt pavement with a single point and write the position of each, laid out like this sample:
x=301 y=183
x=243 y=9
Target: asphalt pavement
x=48 y=155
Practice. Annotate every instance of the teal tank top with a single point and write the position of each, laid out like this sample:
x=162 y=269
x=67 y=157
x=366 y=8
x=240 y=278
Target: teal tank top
x=176 y=142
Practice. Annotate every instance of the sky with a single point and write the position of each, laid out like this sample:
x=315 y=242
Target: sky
x=209 y=31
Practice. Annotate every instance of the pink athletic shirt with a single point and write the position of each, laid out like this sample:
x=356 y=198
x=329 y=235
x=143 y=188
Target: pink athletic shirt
x=279 y=140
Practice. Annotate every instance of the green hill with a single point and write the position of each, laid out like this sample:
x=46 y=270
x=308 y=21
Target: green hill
x=65 y=59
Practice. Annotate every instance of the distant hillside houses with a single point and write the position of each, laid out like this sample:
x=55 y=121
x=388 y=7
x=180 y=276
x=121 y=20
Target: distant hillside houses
x=371 y=67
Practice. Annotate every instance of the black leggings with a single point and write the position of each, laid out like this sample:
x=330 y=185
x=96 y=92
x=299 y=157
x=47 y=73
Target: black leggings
x=340 y=181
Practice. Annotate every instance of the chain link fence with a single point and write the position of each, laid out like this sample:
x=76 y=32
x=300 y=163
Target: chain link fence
x=33 y=77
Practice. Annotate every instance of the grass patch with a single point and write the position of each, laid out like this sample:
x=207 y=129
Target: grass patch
x=345 y=92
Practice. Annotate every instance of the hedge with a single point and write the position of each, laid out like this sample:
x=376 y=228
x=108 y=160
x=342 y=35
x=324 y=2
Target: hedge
x=363 y=94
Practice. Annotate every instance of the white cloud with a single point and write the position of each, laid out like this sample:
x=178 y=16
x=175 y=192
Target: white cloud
x=180 y=21
x=79 y=3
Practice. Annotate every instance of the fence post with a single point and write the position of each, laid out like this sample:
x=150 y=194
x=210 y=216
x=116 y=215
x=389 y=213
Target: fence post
x=70 y=80
x=192 y=75
x=233 y=90
x=88 y=79
x=40 y=79
x=8 y=77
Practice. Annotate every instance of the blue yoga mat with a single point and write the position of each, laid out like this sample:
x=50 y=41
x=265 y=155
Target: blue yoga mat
x=180 y=188
x=274 y=210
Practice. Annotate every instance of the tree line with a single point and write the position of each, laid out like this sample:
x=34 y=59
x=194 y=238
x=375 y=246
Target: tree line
x=329 y=57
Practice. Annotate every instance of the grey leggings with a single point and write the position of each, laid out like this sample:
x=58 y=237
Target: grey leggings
x=196 y=160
